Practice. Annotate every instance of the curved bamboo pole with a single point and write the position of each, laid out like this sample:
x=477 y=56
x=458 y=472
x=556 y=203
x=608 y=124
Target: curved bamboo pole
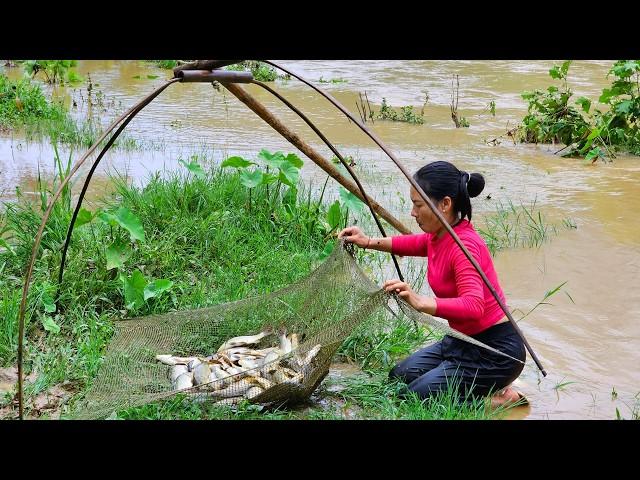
x=45 y=217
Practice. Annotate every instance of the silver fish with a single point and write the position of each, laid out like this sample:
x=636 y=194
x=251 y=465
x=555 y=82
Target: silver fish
x=201 y=373
x=263 y=382
x=193 y=364
x=247 y=363
x=278 y=376
x=253 y=392
x=285 y=343
x=234 y=390
x=311 y=355
x=184 y=381
x=270 y=358
x=166 y=359
x=243 y=340
x=176 y=371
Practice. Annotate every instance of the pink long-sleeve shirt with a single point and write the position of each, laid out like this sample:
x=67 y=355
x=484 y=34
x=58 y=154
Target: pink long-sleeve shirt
x=462 y=298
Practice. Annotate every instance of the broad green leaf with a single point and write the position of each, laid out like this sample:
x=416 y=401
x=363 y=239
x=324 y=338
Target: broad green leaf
x=593 y=155
x=272 y=160
x=236 y=162
x=130 y=222
x=585 y=103
x=134 y=290
x=327 y=250
x=126 y=219
x=251 y=179
x=607 y=93
x=50 y=324
x=116 y=253
x=84 y=216
x=334 y=215
x=194 y=167
x=47 y=301
x=624 y=106
x=350 y=201
x=152 y=77
x=268 y=178
x=594 y=133
x=555 y=72
x=155 y=288
x=294 y=160
x=289 y=174
x=565 y=67
x=108 y=218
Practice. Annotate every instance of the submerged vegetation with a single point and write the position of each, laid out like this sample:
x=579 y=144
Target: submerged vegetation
x=587 y=131
x=22 y=102
x=512 y=226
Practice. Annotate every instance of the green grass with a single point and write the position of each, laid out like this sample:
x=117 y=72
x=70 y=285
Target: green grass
x=23 y=102
x=512 y=226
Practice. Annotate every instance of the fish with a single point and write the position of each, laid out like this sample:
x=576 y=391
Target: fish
x=201 y=373
x=171 y=360
x=166 y=359
x=263 y=382
x=297 y=378
x=243 y=340
x=301 y=362
x=270 y=359
x=234 y=390
x=278 y=376
x=193 y=364
x=285 y=343
x=176 y=371
x=248 y=363
x=253 y=392
x=311 y=355
x=237 y=351
x=184 y=381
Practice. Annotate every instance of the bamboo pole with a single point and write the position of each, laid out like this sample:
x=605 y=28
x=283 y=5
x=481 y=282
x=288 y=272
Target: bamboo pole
x=310 y=152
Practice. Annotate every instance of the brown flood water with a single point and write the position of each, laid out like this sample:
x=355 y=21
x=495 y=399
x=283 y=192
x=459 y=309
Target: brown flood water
x=587 y=342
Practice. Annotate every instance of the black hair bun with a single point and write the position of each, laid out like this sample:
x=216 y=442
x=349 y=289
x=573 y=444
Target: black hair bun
x=475 y=185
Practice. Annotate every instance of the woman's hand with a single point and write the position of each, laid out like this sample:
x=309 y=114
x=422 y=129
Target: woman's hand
x=404 y=291
x=355 y=235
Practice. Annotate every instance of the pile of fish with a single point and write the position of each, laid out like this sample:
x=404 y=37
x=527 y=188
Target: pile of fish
x=238 y=370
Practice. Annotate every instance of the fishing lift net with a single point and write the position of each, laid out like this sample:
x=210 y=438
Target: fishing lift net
x=284 y=344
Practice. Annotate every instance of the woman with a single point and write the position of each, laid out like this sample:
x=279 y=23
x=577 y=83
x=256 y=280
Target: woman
x=461 y=298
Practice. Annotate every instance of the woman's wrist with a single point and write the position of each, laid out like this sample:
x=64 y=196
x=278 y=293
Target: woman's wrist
x=428 y=305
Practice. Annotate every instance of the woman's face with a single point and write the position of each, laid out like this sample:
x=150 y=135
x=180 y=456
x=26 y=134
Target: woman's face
x=425 y=218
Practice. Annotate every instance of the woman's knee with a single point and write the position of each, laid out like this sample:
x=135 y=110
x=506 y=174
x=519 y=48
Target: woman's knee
x=398 y=372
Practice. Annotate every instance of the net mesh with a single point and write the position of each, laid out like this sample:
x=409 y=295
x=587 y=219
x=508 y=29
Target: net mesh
x=274 y=348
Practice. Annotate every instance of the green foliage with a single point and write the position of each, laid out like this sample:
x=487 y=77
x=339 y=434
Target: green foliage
x=22 y=101
x=387 y=112
x=332 y=80
x=166 y=64
x=492 y=108
x=53 y=71
x=590 y=133
x=260 y=71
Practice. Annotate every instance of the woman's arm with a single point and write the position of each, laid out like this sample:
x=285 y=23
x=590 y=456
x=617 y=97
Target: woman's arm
x=404 y=291
x=354 y=235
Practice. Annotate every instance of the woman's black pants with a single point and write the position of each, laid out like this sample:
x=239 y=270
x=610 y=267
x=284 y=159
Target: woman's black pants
x=474 y=370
